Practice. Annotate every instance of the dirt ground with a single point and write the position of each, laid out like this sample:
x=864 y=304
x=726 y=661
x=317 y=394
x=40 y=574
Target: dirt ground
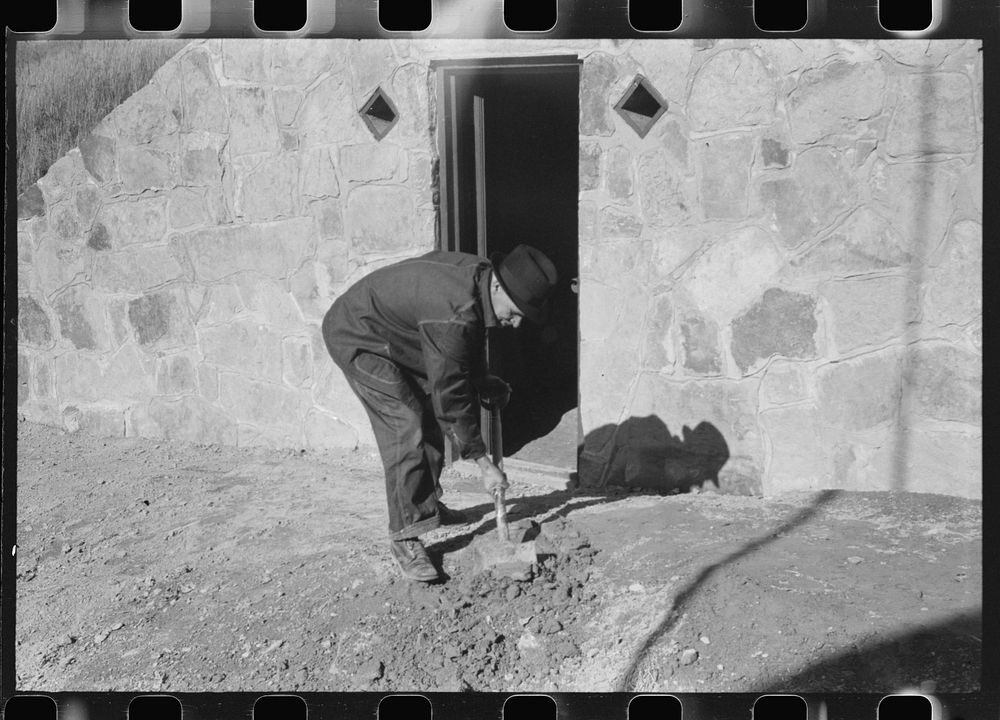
x=145 y=566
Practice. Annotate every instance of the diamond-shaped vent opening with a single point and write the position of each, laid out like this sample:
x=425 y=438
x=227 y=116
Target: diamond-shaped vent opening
x=641 y=106
x=379 y=113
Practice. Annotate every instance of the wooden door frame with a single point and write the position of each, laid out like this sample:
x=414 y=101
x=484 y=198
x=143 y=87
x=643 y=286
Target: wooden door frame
x=447 y=72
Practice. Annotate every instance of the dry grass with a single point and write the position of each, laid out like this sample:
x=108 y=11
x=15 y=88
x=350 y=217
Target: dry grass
x=66 y=87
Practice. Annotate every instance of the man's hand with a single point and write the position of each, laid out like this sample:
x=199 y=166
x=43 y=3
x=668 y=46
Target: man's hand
x=494 y=393
x=493 y=477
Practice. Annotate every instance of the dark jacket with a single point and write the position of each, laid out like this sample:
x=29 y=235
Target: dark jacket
x=428 y=315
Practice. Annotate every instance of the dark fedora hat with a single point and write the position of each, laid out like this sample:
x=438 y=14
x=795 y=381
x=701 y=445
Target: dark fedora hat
x=529 y=278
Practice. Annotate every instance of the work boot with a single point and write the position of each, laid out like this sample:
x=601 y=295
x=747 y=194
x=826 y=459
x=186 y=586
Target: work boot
x=413 y=560
x=449 y=516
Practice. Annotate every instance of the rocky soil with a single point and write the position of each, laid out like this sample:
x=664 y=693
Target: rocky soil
x=145 y=565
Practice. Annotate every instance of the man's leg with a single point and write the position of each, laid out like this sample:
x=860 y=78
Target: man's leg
x=397 y=421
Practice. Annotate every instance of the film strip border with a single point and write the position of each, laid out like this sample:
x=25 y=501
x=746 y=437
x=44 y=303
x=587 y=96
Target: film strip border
x=454 y=706
x=503 y=18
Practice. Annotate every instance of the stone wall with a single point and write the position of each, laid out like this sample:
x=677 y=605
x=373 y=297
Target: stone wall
x=780 y=283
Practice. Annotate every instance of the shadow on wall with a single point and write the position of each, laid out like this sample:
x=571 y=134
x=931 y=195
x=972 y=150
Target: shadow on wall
x=642 y=452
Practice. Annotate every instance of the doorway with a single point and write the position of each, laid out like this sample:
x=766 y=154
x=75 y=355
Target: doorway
x=508 y=138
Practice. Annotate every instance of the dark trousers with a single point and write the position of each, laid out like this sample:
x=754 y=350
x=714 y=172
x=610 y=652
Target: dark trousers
x=409 y=440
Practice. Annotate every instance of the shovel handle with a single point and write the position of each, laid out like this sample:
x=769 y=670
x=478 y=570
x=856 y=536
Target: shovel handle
x=496 y=443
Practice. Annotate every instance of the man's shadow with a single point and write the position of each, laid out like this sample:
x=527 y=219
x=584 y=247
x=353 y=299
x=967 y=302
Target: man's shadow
x=639 y=455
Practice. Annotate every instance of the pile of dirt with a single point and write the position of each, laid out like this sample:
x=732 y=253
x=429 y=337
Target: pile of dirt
x=476 y=631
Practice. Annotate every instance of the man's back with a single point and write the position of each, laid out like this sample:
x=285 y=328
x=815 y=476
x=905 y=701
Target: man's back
x=382 y=313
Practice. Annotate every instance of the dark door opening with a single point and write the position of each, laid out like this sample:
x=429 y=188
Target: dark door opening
x=509 y=175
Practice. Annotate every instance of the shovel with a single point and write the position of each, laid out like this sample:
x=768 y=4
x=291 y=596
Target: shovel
x=513 y=559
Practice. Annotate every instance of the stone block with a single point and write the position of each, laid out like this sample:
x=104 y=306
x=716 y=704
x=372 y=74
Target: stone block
x=63 y=177
x=65 y=223
x=81 y=318
x=947 y=463
x=700 y=342
x=918 y=200
x=82 y=379
x=780 y=323
x=774 y=153
x=98 y=238
x=200 y=161
x=784 y=383
x=382 y=219
x=319 y=180
x=136 y=269
x=261 y=403
x=870 y=311
x=620 y=182
x=286 y=104
x=328 y=114
x=145 y=116
x=622 y=263
x=196 y=69
x=944 y=382
x=31 y=203
x=666 y=65
x=191 y=419
x=208 y=381
x=121 y=328
x=270 y=301
x=88 y=202
x=862 y=393
x=33 y=324
x=143 y=169
x=300 y=61
x=161 y=320
x=725 y=175
x=661 y=192
x=130 y=222
x=934 y=114
x=372 y=65
x=43 y=382
x=222 y=304
x=98 y=155
x=205 y=110
x=674 y=247
x=297 y=369
x=243 y=346
x=732 y=272
x=801 y=457
x=187 y=208
x=101 y=420
x=368 y=162
x=659 y=352
x=252 y=125
x=597 y=76
x=272 y=249
x=410 y=88
x=615 y=223
x=731 y=89
x=800 y=203
x=175 y=375
x=323 y=431
x=275 y=437
x=59 y=263
x=835 y=99
x=267 y=191
x=954 y=284
x=590 y=166
x=247 y=60
x=864 y=242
